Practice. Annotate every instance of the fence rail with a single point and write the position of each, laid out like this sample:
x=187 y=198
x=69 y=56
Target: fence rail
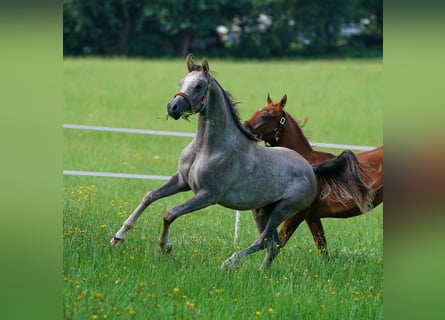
x=170 y=134
x=191 y=135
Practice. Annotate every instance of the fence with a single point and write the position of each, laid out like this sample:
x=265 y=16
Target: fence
x=172 y=134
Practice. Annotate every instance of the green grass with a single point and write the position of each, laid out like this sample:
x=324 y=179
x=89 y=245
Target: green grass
x=136 y=281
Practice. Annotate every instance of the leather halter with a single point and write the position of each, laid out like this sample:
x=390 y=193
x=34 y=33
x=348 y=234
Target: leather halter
x=277 y=131
x=191 y=103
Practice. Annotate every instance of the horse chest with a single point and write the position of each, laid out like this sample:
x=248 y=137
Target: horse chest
x=209 y=171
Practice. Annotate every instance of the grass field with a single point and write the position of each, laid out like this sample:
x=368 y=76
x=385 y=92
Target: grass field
x=342 y=100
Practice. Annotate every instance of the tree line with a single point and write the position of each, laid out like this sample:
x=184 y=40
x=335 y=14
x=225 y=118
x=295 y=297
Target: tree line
x=241 y=28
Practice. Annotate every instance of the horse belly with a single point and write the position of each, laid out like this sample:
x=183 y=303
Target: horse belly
x=299 y=191
x=246 y=200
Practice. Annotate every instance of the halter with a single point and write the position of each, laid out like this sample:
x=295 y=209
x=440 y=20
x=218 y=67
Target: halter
x=277 y=131
x=191 y=103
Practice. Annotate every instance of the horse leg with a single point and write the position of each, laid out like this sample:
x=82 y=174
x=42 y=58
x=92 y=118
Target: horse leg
x=261 y=216
x=201 y=200
x=272 y=249
x=273 y=243
x=173 y=186
x=290 y=225
x=257 y=245
x=318 y=234
x=268 y=238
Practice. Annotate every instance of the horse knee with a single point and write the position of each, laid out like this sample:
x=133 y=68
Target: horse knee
x=169 y=216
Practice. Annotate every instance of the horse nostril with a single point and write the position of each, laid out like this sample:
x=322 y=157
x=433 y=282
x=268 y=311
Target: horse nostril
x=173 y=110
x=172 y=107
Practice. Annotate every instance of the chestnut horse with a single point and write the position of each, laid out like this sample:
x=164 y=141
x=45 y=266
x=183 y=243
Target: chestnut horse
x=278 y=128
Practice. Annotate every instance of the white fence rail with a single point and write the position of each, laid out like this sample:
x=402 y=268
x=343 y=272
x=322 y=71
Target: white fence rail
x=191 y=135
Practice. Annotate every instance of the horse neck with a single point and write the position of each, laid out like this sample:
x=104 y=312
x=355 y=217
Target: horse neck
x=293 y=138
x=216 y=125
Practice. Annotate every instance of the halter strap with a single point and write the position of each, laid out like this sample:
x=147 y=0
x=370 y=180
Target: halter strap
x=276 y=133
x=191 y=103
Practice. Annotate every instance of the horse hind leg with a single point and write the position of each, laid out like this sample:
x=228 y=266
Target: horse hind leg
x=318 y=234
x=258 y=244
x=261 y=216
x=267 y=239
x=272 y=249
x=273 y=243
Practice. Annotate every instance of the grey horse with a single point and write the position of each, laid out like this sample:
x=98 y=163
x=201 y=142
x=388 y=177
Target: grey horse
x=225 y=165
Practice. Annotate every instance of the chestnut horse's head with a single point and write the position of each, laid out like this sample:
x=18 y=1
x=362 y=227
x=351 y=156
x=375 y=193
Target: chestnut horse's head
x=267 y=122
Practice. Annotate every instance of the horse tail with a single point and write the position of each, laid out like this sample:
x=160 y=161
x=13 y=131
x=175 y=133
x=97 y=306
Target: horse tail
x=341 y=179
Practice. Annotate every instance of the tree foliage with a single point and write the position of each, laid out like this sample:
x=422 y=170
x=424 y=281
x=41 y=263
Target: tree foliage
x=270 y=28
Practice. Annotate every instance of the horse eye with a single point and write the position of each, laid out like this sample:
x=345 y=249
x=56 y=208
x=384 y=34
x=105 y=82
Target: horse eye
x=265 y=116
x=199 y=86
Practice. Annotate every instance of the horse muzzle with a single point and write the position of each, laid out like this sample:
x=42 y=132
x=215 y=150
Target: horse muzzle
x=177 y=107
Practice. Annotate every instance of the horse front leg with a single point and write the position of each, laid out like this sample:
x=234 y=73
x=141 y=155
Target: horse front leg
x=201 y=200
x=172 y=186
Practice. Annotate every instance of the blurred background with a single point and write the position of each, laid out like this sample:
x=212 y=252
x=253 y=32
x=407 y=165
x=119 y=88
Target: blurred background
x=224 y=28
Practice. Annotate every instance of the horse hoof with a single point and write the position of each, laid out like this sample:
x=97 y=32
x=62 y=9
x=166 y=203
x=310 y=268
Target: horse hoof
x=224 y=266
x=115 y=242
x=166 y=247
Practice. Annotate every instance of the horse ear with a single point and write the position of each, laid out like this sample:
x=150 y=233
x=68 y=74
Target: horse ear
x=269 y=100
x=191 y=66
x=283 y=101
x=205 y=65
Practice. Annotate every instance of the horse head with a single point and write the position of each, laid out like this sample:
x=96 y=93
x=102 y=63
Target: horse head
x=192 y=92
x=267 y=122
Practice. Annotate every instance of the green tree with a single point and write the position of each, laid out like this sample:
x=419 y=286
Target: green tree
x=181 y=20
x=168 y=27
x=99 y=27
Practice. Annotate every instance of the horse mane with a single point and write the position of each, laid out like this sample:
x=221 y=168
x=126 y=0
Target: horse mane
x=300 y=125
x=235 y=112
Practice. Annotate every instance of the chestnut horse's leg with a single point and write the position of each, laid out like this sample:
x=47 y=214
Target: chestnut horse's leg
x=318 y=234
x=290 y=225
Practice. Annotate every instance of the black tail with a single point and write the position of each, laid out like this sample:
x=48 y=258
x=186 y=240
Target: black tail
x=341 y=177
